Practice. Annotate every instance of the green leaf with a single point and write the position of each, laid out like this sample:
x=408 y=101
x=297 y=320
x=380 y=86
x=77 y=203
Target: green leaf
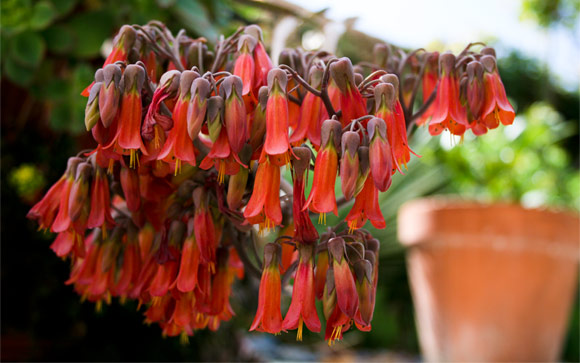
x=62 y=7
x=90 y=30
x=59 y=38
x=27 y=49
x=17 y=73
x=195 y=18
x=43 y=14
x=165 y=3
x=14 y=16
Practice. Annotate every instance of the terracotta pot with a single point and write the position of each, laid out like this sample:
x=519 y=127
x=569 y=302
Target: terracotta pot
x=490 y=282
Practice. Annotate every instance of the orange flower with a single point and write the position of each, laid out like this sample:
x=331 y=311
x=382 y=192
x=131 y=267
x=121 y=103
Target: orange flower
x=322 y=197
x=268 y=316
x=366 y=206
x=449 y=113
x=264 y=204
x=302 y=308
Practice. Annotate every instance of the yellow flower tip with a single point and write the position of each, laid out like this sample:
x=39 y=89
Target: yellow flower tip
x=221 y=172
x=155 y=300
x=99 y=306
x=322 y=218
x=177 y=166
x=110 y=166
x=299 y=333
x=183 y=338
x=156 y=139
x=211 y=267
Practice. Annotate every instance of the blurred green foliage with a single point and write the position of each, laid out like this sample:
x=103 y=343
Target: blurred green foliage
x=53 y=47
x=550 y=12
x=523 y=163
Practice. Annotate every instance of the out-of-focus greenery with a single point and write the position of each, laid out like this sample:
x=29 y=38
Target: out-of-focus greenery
x=28 y=181
x=523 y=162
x=53 y=47
x=550 y=12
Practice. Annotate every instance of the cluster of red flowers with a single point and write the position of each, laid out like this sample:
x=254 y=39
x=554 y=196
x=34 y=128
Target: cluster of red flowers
x=190 y=149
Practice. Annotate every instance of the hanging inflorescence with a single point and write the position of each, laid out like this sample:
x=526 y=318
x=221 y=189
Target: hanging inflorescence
x=190 y=147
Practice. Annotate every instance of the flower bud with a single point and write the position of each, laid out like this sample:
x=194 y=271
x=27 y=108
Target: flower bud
x=235 y=112
x=130 y=185
x=380 y=158
x=346 y=295
x=109 y=95
x=215 y=108
x=364 y=288
x=92 y=115
x=79 y=193
x=349 y=164
x=475 y=91
x=343 y=74
x=200 y=91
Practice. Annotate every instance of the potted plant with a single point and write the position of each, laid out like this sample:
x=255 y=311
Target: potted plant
x=490 y=282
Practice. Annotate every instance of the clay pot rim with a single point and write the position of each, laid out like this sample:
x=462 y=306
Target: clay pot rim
x=441 y=202
x=438 y=218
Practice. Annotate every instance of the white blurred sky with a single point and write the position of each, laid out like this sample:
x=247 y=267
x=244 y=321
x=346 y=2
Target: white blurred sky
x=417 y=23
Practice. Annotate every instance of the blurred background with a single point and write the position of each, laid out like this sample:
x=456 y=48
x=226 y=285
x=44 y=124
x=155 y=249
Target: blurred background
x=51 y=48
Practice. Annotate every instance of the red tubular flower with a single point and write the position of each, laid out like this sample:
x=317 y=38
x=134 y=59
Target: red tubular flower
x=352 y=103
x=497 y=107
x=475 y=93
x=366 y=206
x=312 y=113
x=100 y=215
x=164 y=277
x=220 y=155
x=178 y=147
x=449 y=114
x=154 y=119
x=200 y=91
x=364 y=287
x=109 y=94
x=264 y=204
x=220 y=285
x=244 y=66
x=45 y=211
x=262 y=61
x=304 y=230
x=128 y=272
x=130 y=185
x=349 y=164
x=268 y=316
x=380 y=154
x=428 y=84
x=237 y=188
x=183 y=314
x=322 y=198
x=277 y=144
x=235 y=112
x=128 y=136
x=123 y=43
x=62 y=221
x=302 y=308
x=346 y=295
x=321 y=270
x=336 y=324
x=187 y=277
x=390 y=110
x=203 y=227
x=64 y=242
x=79 y=194
x=258 y=123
